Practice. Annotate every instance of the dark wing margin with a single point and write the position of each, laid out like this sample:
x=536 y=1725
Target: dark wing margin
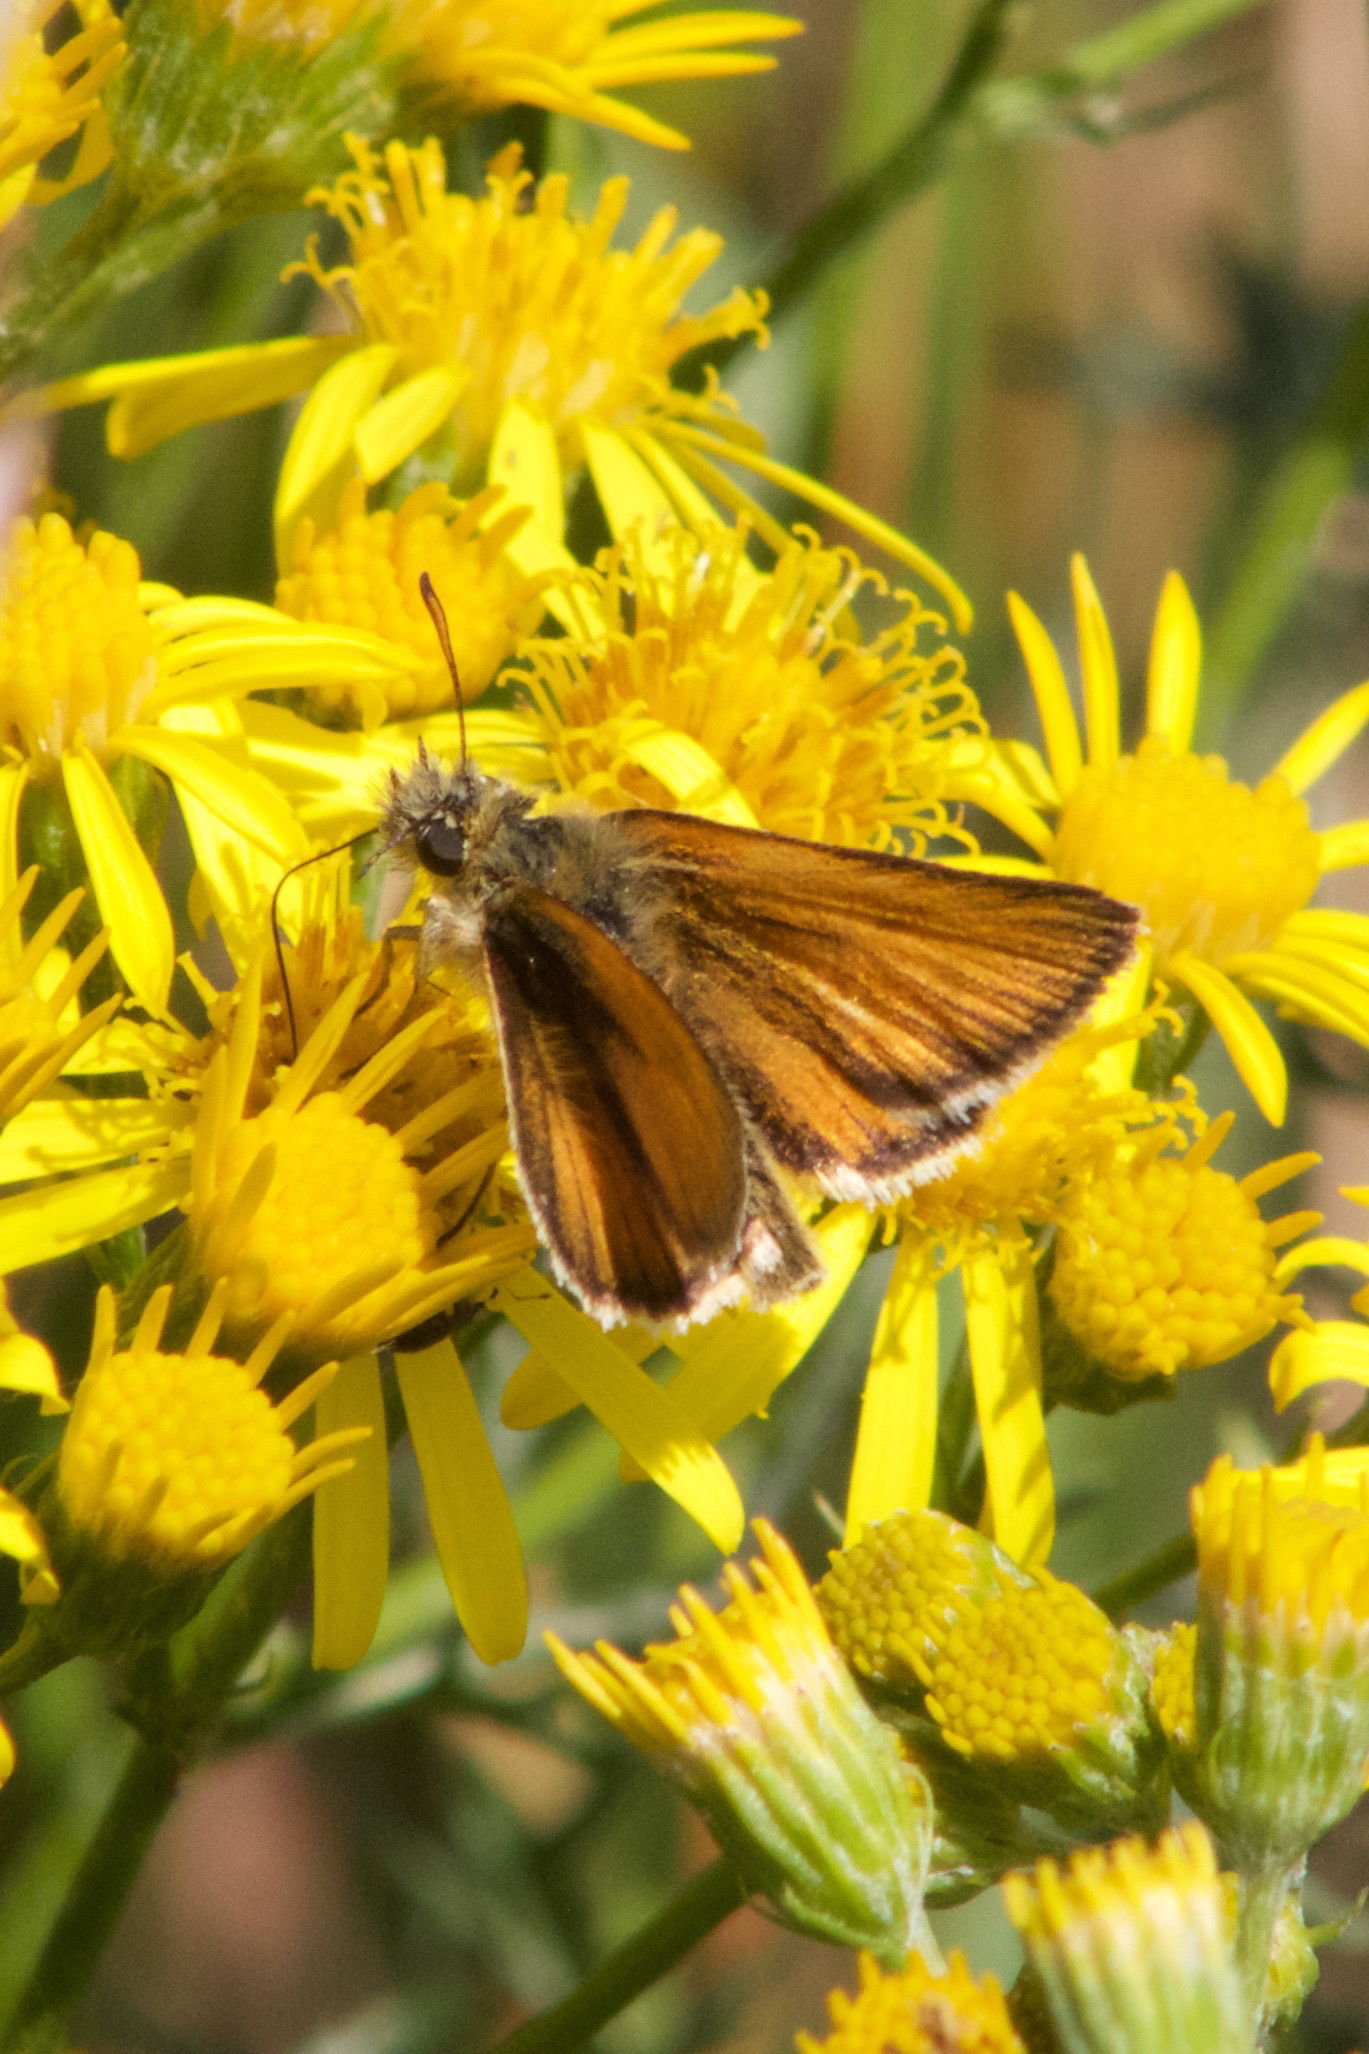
x=867 y=1009
x=629 y=1148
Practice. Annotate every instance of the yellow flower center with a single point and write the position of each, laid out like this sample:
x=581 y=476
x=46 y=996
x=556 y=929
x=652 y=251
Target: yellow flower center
x=1163 y=1266
x=342 y=1203
x=77 y=651
x=517 y=298
x=166 y=1455
x=917 y=2012
x=364 y=573
x=1215 y=867
x=888 y=1599
x=825 y=737
x=1021 y=1674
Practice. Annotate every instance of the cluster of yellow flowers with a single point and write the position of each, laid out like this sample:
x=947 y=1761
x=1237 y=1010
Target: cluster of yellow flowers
x=321 y=1132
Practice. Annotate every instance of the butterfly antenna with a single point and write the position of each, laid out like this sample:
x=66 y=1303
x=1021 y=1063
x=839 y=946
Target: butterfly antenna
x=321 y=856
x=439 y=617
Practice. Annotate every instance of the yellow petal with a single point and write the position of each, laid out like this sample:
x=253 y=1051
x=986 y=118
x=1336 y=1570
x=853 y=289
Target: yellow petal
x=1326 y=740
x=1098 y=669
x=13 y=778
x=159 y=396
x=690 y=774
x=320 y=456
x=21 y=1537
x=536 y=1393
x=633 y=499
x=526 y=461
x=468 y=1507
x=351 y=1519
x=124 y=882
x=896 y=1441
x=62 y=1218
x=1336 y=1348
x=1176 y=655
x=68 y=1132
x=733 y=1366
x=395 y=425
x=235 y=874
x=867 y=525
x=1005 y=1362
x=1251 y=1046
x=232 y=791
x=643 y=1419
x=25 y=1364
x=1343 y=847
x=1052 y=694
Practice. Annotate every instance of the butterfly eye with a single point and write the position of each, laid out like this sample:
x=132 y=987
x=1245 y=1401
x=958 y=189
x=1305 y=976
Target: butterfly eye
x=441 y=848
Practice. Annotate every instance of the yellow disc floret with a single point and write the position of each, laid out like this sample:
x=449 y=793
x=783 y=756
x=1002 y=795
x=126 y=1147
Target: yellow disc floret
x=364 y=571
x=339 y=1200
x=918 y=2012
x=1215 y=867
x=889 y=1599
x=698 y=676
x=1020 y=1675
x=174 y=1459
x=77 y=651
x=1164 y=1263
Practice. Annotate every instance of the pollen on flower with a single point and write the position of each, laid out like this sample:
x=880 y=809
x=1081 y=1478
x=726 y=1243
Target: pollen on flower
x=1164 y=1263
x=518 y=298
x=1216 y=867
x=364 y=571
x=1019 y=1675
x=825 y=735
x=917 y=2011
x=77 y=651
x=889 y=1599
x=175 y=1459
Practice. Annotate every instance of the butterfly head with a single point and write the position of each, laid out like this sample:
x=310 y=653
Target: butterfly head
x=428 y=813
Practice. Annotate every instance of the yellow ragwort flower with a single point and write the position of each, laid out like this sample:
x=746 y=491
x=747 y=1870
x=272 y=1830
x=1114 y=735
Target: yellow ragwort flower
x=1281 y=1668
x=754 y=1712
x=176 y=1459
x=688 y=678
x=507 y=338
x=564 y=55
x=1223 y=873
x=1164 y=1263
x=1171 y=1685
x=1129 y=1943
x=918 y=2010
x=48 y=94
x=363 y=572
x=96 y=666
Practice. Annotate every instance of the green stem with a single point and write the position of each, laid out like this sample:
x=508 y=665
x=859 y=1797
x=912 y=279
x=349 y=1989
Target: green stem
x=1020 y=106
x=32 y=1655
x=1168 y=1563
x=174 y=1716
x=96 y=1898
x=1273 y=558
x=1263 y=1894
x=703 y=1904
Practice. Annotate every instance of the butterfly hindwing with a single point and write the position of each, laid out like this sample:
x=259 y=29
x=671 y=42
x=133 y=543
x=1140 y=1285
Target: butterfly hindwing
x=629 y=1146
x=866 y=1008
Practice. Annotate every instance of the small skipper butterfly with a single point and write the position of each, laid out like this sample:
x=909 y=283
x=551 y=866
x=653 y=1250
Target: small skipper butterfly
x=688 y=1013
